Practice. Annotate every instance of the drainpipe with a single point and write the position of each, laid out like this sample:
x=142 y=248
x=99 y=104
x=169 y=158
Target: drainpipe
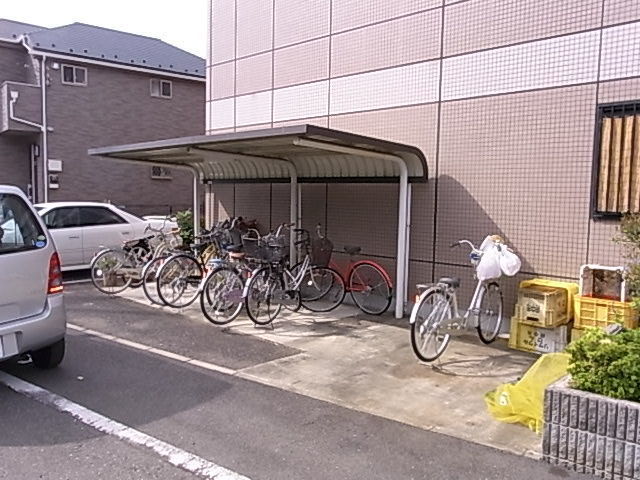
x=45 y=133
x=24 y=40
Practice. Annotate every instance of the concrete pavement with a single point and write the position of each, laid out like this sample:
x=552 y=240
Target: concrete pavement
x=366 y=363
x=259 y=431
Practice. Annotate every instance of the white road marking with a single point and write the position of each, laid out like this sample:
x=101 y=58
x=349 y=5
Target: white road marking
x=158 y=351
x=174 y=455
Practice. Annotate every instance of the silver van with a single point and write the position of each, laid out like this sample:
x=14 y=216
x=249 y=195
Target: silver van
x=32 y=314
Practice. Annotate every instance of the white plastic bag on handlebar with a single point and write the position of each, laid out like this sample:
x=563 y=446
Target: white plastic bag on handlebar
x=489 y=266
x=509 y=262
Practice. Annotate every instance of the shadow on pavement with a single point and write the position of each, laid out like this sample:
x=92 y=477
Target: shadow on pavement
x=129 y=386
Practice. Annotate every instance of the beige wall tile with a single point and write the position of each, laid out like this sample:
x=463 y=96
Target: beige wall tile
x=302 y=63
x=618 y=11
x=223 y=29
x=392 y=124
x=297 y=21
x=252 y=202
x=519 y=166
x=320 y=121
x=354 y=13
x=365 y=215
x=223 y=202
x=602 y=249
x=619 y=91
x=255 y=26
x=253 y=74
x=409 y=39
x=479 y=24
x=280 y=202
x=313 y=209
x=253 y=127
x=222 y=80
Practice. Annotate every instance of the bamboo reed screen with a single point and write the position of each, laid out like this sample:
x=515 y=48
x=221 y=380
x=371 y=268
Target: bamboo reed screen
x=619 y=165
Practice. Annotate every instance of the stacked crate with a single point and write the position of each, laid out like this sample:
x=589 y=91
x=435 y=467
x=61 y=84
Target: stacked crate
x=541 y=322
x=602 y=300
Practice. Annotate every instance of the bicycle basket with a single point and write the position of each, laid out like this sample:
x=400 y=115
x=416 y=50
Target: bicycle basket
x=251 y=245
x=321 y=250
x=275 y=248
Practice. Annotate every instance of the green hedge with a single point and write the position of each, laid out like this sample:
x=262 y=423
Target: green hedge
x=607 y=364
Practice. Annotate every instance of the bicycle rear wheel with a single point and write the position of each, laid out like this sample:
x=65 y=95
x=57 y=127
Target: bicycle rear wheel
x=370 y=288
x=322 y=289
x=490 y=313
x=150 y=279
x=108 y=272
x=221 y=297
x=179 y=280
x=427 y=341
x=260 y=300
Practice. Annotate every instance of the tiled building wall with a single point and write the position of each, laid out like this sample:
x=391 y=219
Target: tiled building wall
x=500 y=95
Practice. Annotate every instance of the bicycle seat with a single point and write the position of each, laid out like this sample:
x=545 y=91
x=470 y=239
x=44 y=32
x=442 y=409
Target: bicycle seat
x=233 y=248
x=453 y=282
x=351 y=250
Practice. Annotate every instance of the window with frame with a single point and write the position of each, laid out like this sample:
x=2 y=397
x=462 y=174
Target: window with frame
x=161 y=88
x=617 y=166
x=92 y=216
x=161 y=173
x=64 y=217
x=72 y=75
x=19 y=229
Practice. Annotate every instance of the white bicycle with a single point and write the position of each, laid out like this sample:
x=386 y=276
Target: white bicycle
x=435 y=317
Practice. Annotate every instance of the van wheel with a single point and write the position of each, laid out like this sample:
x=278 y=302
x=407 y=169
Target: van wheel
x=49 y=357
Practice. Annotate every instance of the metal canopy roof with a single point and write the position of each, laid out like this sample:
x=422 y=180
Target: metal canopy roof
x=316 y=153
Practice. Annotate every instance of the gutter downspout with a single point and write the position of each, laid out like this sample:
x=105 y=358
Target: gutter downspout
x=44 y=126
x=45 y=132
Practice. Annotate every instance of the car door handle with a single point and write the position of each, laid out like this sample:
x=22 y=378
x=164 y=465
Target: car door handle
x=126 y=233
x=74 y=236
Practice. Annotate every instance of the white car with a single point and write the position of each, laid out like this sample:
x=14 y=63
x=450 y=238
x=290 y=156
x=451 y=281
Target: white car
x=82 y=229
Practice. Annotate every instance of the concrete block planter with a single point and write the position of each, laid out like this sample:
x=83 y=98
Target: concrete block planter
x=591 y=433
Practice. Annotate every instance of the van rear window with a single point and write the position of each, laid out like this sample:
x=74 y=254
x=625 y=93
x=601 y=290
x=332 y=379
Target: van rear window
x=19 y=228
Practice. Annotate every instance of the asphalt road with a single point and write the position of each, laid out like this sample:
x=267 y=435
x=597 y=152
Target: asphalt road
x=258 y=431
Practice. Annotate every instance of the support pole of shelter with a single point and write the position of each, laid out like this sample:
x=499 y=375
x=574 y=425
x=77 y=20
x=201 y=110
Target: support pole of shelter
x=196 y=203
x=293 y=214
x=404 y=208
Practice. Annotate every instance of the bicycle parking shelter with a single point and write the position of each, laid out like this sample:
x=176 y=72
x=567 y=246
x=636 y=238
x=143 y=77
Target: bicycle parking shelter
x=298 y=154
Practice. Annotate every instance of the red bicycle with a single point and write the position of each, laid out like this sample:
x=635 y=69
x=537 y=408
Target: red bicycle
x=368 y=282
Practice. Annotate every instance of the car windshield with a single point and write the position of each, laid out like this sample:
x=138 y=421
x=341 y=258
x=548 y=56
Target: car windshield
x=38 y=208
x=19 y=229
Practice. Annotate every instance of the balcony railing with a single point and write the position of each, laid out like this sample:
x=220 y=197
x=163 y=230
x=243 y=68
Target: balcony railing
x=27 y=106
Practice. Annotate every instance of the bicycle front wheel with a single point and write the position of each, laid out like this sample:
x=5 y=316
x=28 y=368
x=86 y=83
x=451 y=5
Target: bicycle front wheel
x=322 y=289
x=109 y=272
x=427 y=341
x=370 y=288
x=179 y=280
x=490 y=313
x=150 y=279
x=260 y=300
x=221 y=297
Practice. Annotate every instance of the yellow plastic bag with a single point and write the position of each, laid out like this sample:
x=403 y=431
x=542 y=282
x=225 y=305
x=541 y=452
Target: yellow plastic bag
x=522 y=402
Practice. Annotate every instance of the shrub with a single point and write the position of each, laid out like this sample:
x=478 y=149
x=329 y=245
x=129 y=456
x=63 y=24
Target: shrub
x=185 y=222
x=607 y=364
x=629 y=238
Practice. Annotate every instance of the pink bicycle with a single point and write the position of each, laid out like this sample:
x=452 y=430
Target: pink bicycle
x=368 y=282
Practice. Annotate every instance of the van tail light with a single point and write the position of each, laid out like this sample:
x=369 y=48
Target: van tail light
x=55 y=275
